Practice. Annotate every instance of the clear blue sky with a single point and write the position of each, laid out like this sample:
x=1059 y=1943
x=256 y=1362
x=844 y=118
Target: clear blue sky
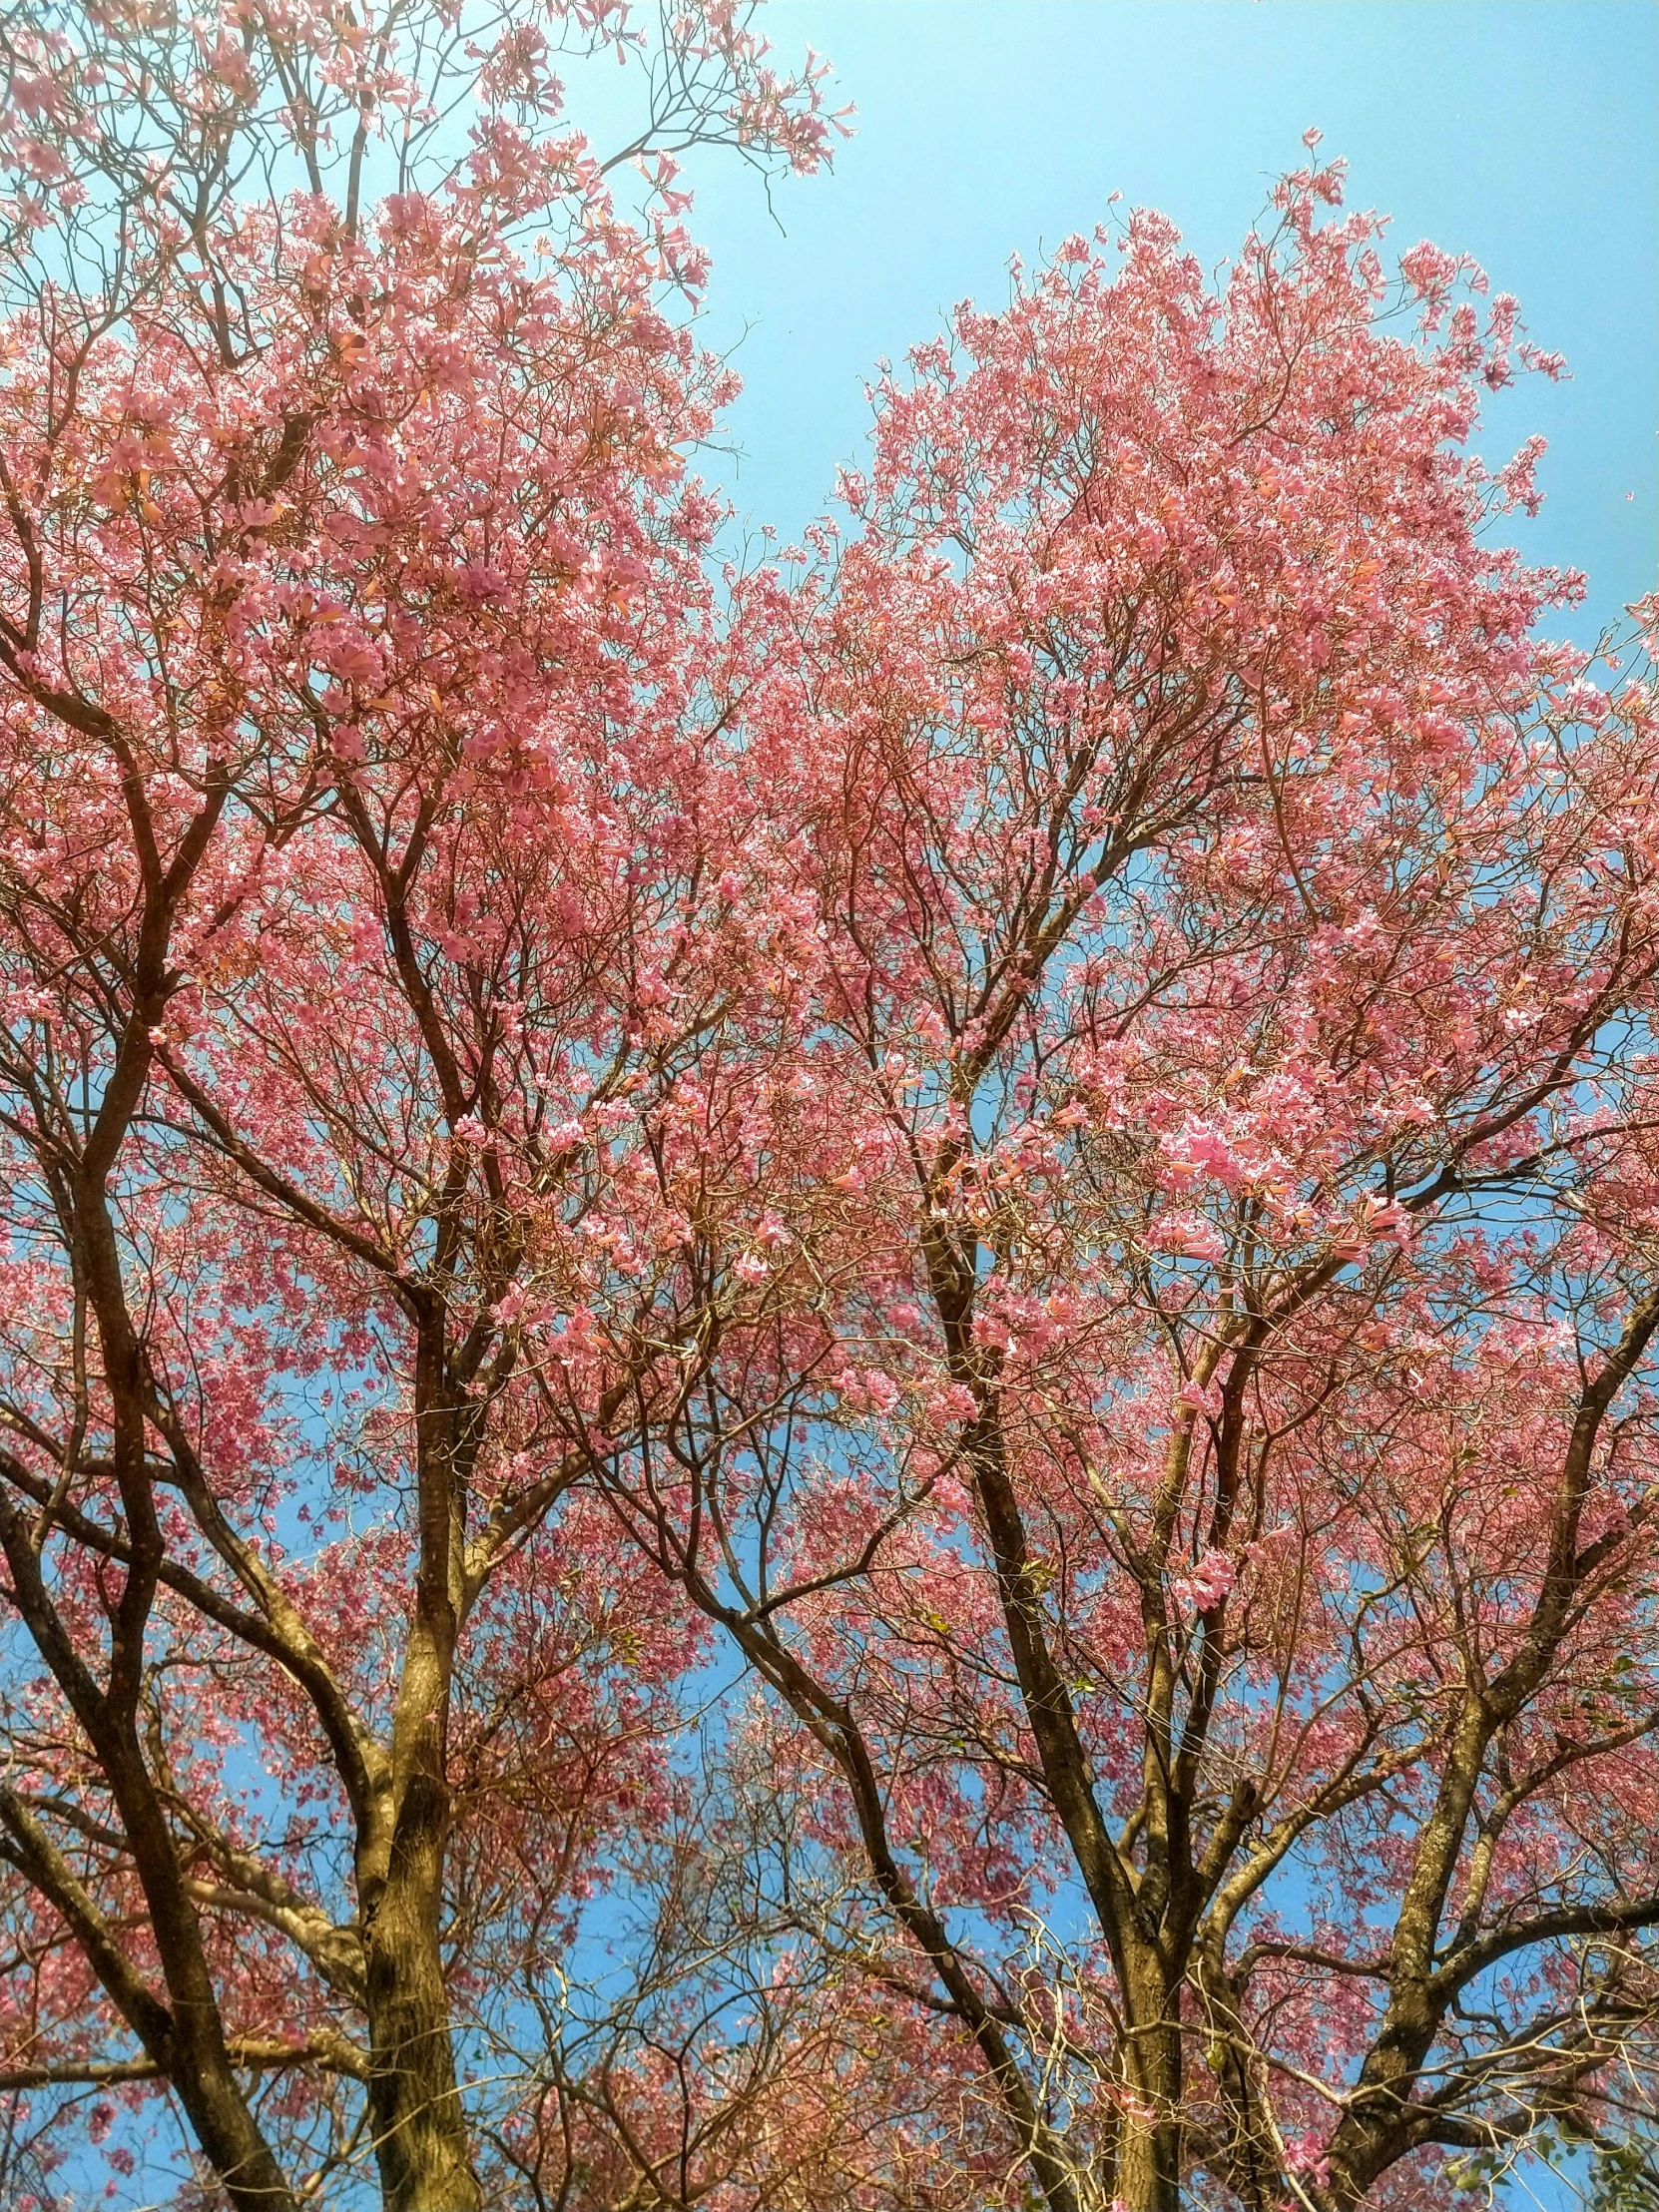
x=1521 y=131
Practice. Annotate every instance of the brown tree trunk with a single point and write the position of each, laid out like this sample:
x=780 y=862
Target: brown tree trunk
x=420 y=2132
x=1149 y=2139
x=218 y=2112
x=1148 y=2177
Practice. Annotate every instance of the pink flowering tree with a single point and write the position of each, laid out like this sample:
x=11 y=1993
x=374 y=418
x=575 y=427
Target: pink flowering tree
x=1037 y=1128
x=364 y=798
x=1178 y=1442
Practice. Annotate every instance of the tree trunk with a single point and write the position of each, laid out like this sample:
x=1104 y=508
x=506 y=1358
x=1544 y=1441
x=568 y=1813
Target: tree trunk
x=1149 y=2139
x=1149 y=2178
x=420 y=2132
x=230 y=2137
x=415 y=2101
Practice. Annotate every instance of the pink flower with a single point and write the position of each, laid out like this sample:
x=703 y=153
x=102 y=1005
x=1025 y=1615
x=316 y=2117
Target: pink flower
x=1208 y=1585
x=1198 y=1397
x=1304 y=2155
x=1186 y=1236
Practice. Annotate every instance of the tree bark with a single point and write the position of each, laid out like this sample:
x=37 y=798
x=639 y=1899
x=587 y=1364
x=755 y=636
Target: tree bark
x=420 y=2132
x=1149 y=2135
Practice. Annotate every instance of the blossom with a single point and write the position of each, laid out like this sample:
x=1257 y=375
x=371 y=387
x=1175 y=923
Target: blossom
x=1208 y=1585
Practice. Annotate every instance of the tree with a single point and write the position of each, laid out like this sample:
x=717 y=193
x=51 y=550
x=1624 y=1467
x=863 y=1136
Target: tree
x=356 y=794
x=1038 y=1125
x=1178 y=1445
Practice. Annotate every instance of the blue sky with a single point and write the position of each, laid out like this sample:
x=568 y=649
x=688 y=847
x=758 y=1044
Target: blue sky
x=1521 y=131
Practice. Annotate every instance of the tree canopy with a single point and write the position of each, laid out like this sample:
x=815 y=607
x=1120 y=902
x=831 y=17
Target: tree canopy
x=824 y=1381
